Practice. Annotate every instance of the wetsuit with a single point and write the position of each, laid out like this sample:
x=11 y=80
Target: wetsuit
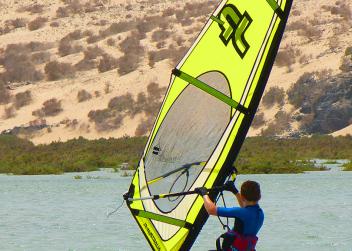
x=248 y=220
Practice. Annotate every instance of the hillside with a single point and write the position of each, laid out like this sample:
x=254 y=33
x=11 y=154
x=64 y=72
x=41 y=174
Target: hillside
x=99 y=68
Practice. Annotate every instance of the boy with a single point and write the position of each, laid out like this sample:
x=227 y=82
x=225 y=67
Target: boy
x=249 y=217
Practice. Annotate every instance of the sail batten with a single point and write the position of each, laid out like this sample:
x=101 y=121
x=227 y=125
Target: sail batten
x=276 y=7
x=210 y=103
x=162 y=218
x=210 y=90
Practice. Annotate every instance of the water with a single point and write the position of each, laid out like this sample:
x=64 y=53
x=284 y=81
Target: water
x=311 y=211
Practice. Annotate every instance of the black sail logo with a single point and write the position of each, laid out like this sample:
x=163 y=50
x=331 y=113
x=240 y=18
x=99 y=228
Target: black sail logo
x=152 y=236
x=233 y=27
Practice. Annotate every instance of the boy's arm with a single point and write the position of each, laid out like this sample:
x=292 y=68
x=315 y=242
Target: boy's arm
x=209 y=205
x=231 y=187
x=239 y=199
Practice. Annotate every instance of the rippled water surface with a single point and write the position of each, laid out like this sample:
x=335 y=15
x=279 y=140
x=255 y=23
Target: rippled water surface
x=311 y=211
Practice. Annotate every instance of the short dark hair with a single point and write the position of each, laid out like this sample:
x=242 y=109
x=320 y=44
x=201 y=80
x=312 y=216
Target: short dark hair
x=250 y=190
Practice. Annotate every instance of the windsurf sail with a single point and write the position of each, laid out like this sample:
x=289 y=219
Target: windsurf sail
x=212 y=98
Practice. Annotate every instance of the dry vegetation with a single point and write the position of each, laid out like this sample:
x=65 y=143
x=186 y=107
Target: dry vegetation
x=281 y=124
x=346 y=61
x=51 y=107
x=12 y=24
x=133 y=52
x=9 y=112
x=275 y=95
x=16 y=23
x=107 y=63
x=341 y=8
x=73 y=7
x=83 y=95
x=308 y=88
x=22 y=99
x=67 y=47
x=306 y=28
x=286 y=57
x=156 y=56
x=258 y=120
x=90 y=59
x=112 y=117
x=5 y=95
x=125 y=105
x=55 y=24
x=40 y=57
x=118 y=39
x=323 y=100
x=144 y=127
x=18 y=64
x=32 y=9
x=37 y=23
x=55 y=70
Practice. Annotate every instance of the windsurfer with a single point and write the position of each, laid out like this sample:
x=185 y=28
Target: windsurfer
x=249 y=217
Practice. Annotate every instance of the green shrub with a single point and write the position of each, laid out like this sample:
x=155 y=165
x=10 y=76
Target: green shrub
x=347 y=166
x=258 y=154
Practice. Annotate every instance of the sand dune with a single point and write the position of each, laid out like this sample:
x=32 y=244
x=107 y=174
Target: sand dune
x=323 y=52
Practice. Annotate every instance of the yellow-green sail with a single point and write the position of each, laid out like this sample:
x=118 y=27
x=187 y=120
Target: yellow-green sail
x=208 y=108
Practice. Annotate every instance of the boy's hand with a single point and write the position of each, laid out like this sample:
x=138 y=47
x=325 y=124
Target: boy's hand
x=201 y=191
x=231 y=187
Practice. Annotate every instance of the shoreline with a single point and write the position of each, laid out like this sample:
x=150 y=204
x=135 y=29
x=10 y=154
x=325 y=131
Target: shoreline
x=323 y=167
x=259 y=155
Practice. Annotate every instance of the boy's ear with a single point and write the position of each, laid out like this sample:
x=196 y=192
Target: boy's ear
x=242 y=198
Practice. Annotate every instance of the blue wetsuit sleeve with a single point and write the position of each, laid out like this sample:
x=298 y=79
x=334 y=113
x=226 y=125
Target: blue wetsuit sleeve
x=231 y=212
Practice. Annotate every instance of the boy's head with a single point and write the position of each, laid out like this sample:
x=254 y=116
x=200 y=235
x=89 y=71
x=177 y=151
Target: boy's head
x=250 y=191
